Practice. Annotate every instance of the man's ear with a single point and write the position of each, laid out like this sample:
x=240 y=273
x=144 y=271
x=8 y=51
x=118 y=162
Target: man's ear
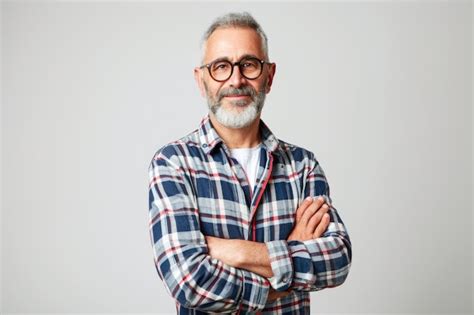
x=271 y=74
x=199 y=81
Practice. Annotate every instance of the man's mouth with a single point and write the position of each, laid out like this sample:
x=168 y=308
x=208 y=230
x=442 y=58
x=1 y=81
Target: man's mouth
x=237 y=96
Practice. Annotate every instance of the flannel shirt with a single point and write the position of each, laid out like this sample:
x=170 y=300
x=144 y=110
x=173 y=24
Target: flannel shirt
x=196 y=188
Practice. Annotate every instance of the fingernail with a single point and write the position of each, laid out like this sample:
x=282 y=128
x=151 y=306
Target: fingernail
x=309 y=198
x=320 y=198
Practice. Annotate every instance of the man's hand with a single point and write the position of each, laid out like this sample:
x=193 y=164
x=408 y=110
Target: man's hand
x=311 y=220
x=225 y=250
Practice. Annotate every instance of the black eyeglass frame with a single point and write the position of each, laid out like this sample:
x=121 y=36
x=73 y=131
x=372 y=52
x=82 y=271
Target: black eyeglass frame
x=237 y=63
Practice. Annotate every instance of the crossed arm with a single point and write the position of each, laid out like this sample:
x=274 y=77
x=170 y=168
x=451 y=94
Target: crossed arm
x=311 y=222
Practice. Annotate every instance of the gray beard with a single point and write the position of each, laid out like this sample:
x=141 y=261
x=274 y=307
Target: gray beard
x=237 y=119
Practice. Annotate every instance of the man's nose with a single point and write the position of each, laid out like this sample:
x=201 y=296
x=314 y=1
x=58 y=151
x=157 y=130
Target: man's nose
x=236 y=79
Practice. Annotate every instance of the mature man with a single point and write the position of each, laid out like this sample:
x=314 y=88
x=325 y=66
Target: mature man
x=240 y=221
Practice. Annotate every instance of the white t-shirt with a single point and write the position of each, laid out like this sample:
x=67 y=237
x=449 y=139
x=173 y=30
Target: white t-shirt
x=249 y=158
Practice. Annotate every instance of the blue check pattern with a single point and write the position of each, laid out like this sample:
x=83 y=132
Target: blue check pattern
x=196 y=189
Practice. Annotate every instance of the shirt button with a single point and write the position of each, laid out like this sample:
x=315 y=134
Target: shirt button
x=204 y=145
x=285 y=280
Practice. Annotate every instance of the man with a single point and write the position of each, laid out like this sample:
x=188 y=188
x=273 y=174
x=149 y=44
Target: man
x=240 y=221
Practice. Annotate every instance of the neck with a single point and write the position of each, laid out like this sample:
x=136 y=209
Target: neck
x=246 y=137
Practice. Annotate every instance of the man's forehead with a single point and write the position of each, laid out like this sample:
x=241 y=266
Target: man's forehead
x=233 y=42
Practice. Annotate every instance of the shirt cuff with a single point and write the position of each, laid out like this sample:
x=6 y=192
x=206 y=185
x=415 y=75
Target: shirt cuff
x=281 y=263
x=254 y=293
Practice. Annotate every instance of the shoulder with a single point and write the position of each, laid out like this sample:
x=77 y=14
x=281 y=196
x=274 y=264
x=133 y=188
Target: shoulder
x=186 y=147
x=297 y=154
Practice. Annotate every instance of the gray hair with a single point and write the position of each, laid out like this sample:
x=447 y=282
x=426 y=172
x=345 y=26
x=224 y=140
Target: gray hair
x=234 y=19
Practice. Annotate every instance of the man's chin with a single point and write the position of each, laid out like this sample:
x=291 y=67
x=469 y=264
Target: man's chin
x=236 y=105
x=235 y=117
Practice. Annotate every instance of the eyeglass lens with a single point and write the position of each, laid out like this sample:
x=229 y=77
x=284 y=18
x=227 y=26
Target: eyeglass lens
x=249 y=68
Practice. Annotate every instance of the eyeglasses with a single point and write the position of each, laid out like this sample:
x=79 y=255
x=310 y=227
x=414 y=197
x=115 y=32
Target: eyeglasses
x=221 y=70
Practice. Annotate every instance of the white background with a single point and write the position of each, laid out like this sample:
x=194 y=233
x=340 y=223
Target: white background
x=380 y=91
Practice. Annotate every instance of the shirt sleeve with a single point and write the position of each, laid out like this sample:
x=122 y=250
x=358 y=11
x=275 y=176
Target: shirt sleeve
x=315 y=264
x=192 y=277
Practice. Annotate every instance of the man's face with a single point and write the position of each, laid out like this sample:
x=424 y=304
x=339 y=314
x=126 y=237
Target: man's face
x=238 y=101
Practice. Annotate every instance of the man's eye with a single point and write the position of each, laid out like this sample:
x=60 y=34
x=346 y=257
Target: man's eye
x=221 y=66
x=249 y=64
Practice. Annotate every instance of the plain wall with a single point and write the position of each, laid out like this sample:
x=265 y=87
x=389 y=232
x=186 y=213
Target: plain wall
x=381 y=92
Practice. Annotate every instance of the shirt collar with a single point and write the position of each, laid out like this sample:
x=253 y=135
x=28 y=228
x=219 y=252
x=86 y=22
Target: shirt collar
x=210 y=139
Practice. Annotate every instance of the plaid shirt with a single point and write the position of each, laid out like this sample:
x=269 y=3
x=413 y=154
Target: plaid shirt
x=196 y=188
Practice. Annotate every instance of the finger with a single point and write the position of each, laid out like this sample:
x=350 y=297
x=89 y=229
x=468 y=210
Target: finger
x=322 y=226
x=321 y=206
x=321 y=201
x=302 y=208
x=316 y=218
x=312 y=210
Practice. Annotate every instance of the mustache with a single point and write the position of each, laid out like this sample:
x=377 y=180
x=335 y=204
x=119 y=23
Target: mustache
x=230 y=91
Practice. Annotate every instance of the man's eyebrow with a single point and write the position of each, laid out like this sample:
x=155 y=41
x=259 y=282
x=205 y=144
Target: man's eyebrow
x=249 y=56
x=227 y=59
x=219 y=59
